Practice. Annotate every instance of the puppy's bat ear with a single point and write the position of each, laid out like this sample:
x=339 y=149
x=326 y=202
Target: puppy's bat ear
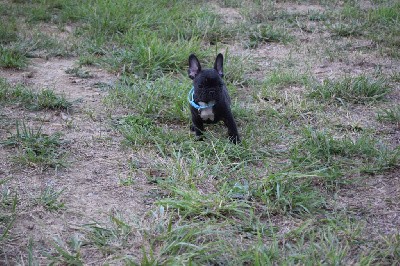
x=219 y=65
x=194 y=66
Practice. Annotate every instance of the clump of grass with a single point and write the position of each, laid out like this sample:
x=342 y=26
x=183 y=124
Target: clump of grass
x=37 y=149
x=49 y=199
x=320 y=149
x=343 y=29
x=379 y=24
x=236 y=67
x=282 y=78
x=43 y=100
x=68 y=253
x=12 y=58
x=391 y=115
x=172 y=241
x=79 y=72
x=287 y=193
x=151 y=56
x=360 y=90
x=8 y=31
x=164 y=99
x=8 y=209
x=47 y=99
x=149 y=39
x=110 y=237
x=139 y=130
x=317 y=15
x=267 y=33
x=192 y=204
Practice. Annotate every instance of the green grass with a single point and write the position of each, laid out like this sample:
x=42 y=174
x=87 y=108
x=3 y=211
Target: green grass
x=12 y=58
x=65 y=252
x=379 y=24
x=391 y=115
x=267 y=34
x=79 y=72
x=163 y=99
x=45 y=99
x=8 y=31
x=282 y=78
x=360 y=90
x=319 y=149
x=49 y=199
x=277 y=198
x=8 y=207
x=36 y=149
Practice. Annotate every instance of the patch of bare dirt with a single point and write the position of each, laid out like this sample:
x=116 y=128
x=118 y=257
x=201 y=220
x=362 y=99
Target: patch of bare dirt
x=97 y=163
x=229 y=15
x=299 y=8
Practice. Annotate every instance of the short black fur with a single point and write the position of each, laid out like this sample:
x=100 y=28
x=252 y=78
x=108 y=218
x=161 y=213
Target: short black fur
x=210 y=88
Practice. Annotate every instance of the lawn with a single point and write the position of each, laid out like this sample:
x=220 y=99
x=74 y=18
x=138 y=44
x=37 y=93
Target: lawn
x=98 y=165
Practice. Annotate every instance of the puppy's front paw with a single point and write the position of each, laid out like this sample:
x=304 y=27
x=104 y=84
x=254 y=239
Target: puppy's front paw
x=199 y=138
x=234 y=139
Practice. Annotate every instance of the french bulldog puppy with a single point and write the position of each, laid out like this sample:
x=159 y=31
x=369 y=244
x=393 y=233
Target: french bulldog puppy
x=209 y=99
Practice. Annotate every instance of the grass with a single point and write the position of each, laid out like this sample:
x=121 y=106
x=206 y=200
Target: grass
x=281 y=78
x=12 y=58
x=164 y=98
x=36 y=149
x=8 y=207
x=391 y=115
x=79 y=72
x=49 y=199
x=280 y=197
x=45 y=99
x=360 y=90
x=363 y=154
x=267 y=34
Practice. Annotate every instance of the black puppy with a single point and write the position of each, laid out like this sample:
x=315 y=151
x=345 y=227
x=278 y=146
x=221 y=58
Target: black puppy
x=209 y=98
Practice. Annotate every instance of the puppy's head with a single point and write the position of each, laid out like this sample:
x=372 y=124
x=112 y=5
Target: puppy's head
x=206 y=81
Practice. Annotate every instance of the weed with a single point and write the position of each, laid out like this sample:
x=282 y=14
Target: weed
x=47 y=99
x=32 y=261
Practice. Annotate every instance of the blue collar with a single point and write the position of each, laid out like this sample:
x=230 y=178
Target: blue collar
x=194 y=104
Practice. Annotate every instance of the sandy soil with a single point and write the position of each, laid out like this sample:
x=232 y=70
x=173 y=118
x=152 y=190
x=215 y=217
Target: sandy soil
x=96 y=161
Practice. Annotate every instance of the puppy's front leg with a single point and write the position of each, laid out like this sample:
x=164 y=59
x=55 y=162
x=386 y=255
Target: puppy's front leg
x=198 y=125
x=232 y=128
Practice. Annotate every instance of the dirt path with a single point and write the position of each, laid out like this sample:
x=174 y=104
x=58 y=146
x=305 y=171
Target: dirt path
x=97 y=163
